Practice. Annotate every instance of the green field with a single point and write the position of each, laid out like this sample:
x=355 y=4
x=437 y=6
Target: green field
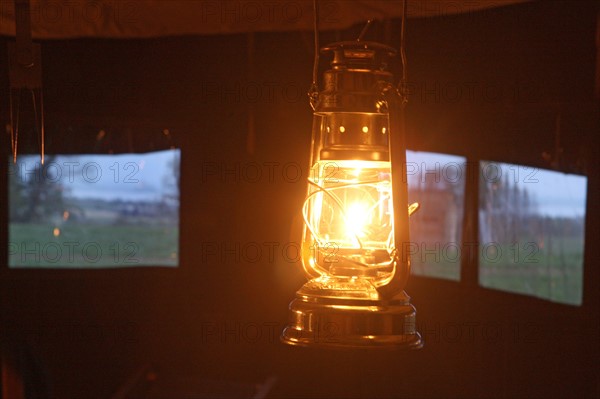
x=443 y=269
x=92 y=246
x=554 y=273
x=550 y=273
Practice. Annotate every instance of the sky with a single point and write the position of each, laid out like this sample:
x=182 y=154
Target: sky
x=556 y=193
x=129 y=177
x=140 y=177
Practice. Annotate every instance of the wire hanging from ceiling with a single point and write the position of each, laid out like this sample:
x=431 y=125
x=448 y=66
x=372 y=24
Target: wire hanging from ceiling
x=314 y=88
x=403 y=84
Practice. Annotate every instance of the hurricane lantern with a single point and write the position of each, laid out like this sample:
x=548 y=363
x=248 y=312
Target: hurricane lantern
x=355 y=234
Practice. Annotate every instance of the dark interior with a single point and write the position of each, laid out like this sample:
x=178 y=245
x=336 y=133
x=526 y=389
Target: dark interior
x=212 y=325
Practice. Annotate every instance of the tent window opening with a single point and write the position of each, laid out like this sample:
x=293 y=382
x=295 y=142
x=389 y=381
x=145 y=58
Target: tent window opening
x=437 y=182
x=94 y=211
x=531 y=231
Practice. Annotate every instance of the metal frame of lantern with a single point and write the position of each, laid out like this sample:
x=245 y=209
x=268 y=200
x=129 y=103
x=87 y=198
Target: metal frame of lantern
x=356 y=261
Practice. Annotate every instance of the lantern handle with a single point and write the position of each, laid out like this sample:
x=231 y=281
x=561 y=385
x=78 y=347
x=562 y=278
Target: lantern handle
x=313 y=93
x=403 y=84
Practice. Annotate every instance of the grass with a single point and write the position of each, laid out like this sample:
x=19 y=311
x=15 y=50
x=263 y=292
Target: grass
x=92 y=246
x=554 y=274
x=525 y=268
x=446 y=270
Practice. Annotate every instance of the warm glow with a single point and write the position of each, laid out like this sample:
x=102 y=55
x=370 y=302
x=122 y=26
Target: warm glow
x=349 y=208
x=365 y=129
x=357 y=216
x=56 y=232
x=342 y=129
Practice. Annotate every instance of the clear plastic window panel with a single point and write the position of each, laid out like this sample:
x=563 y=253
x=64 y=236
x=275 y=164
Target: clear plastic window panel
x=90 y=211
x=531 y=231
x=437 y=182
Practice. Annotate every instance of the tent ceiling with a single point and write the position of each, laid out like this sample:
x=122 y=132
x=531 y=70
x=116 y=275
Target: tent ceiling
x=66 y=19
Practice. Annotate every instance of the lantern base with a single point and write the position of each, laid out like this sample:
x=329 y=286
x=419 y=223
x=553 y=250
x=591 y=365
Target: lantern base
x=336 y=322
